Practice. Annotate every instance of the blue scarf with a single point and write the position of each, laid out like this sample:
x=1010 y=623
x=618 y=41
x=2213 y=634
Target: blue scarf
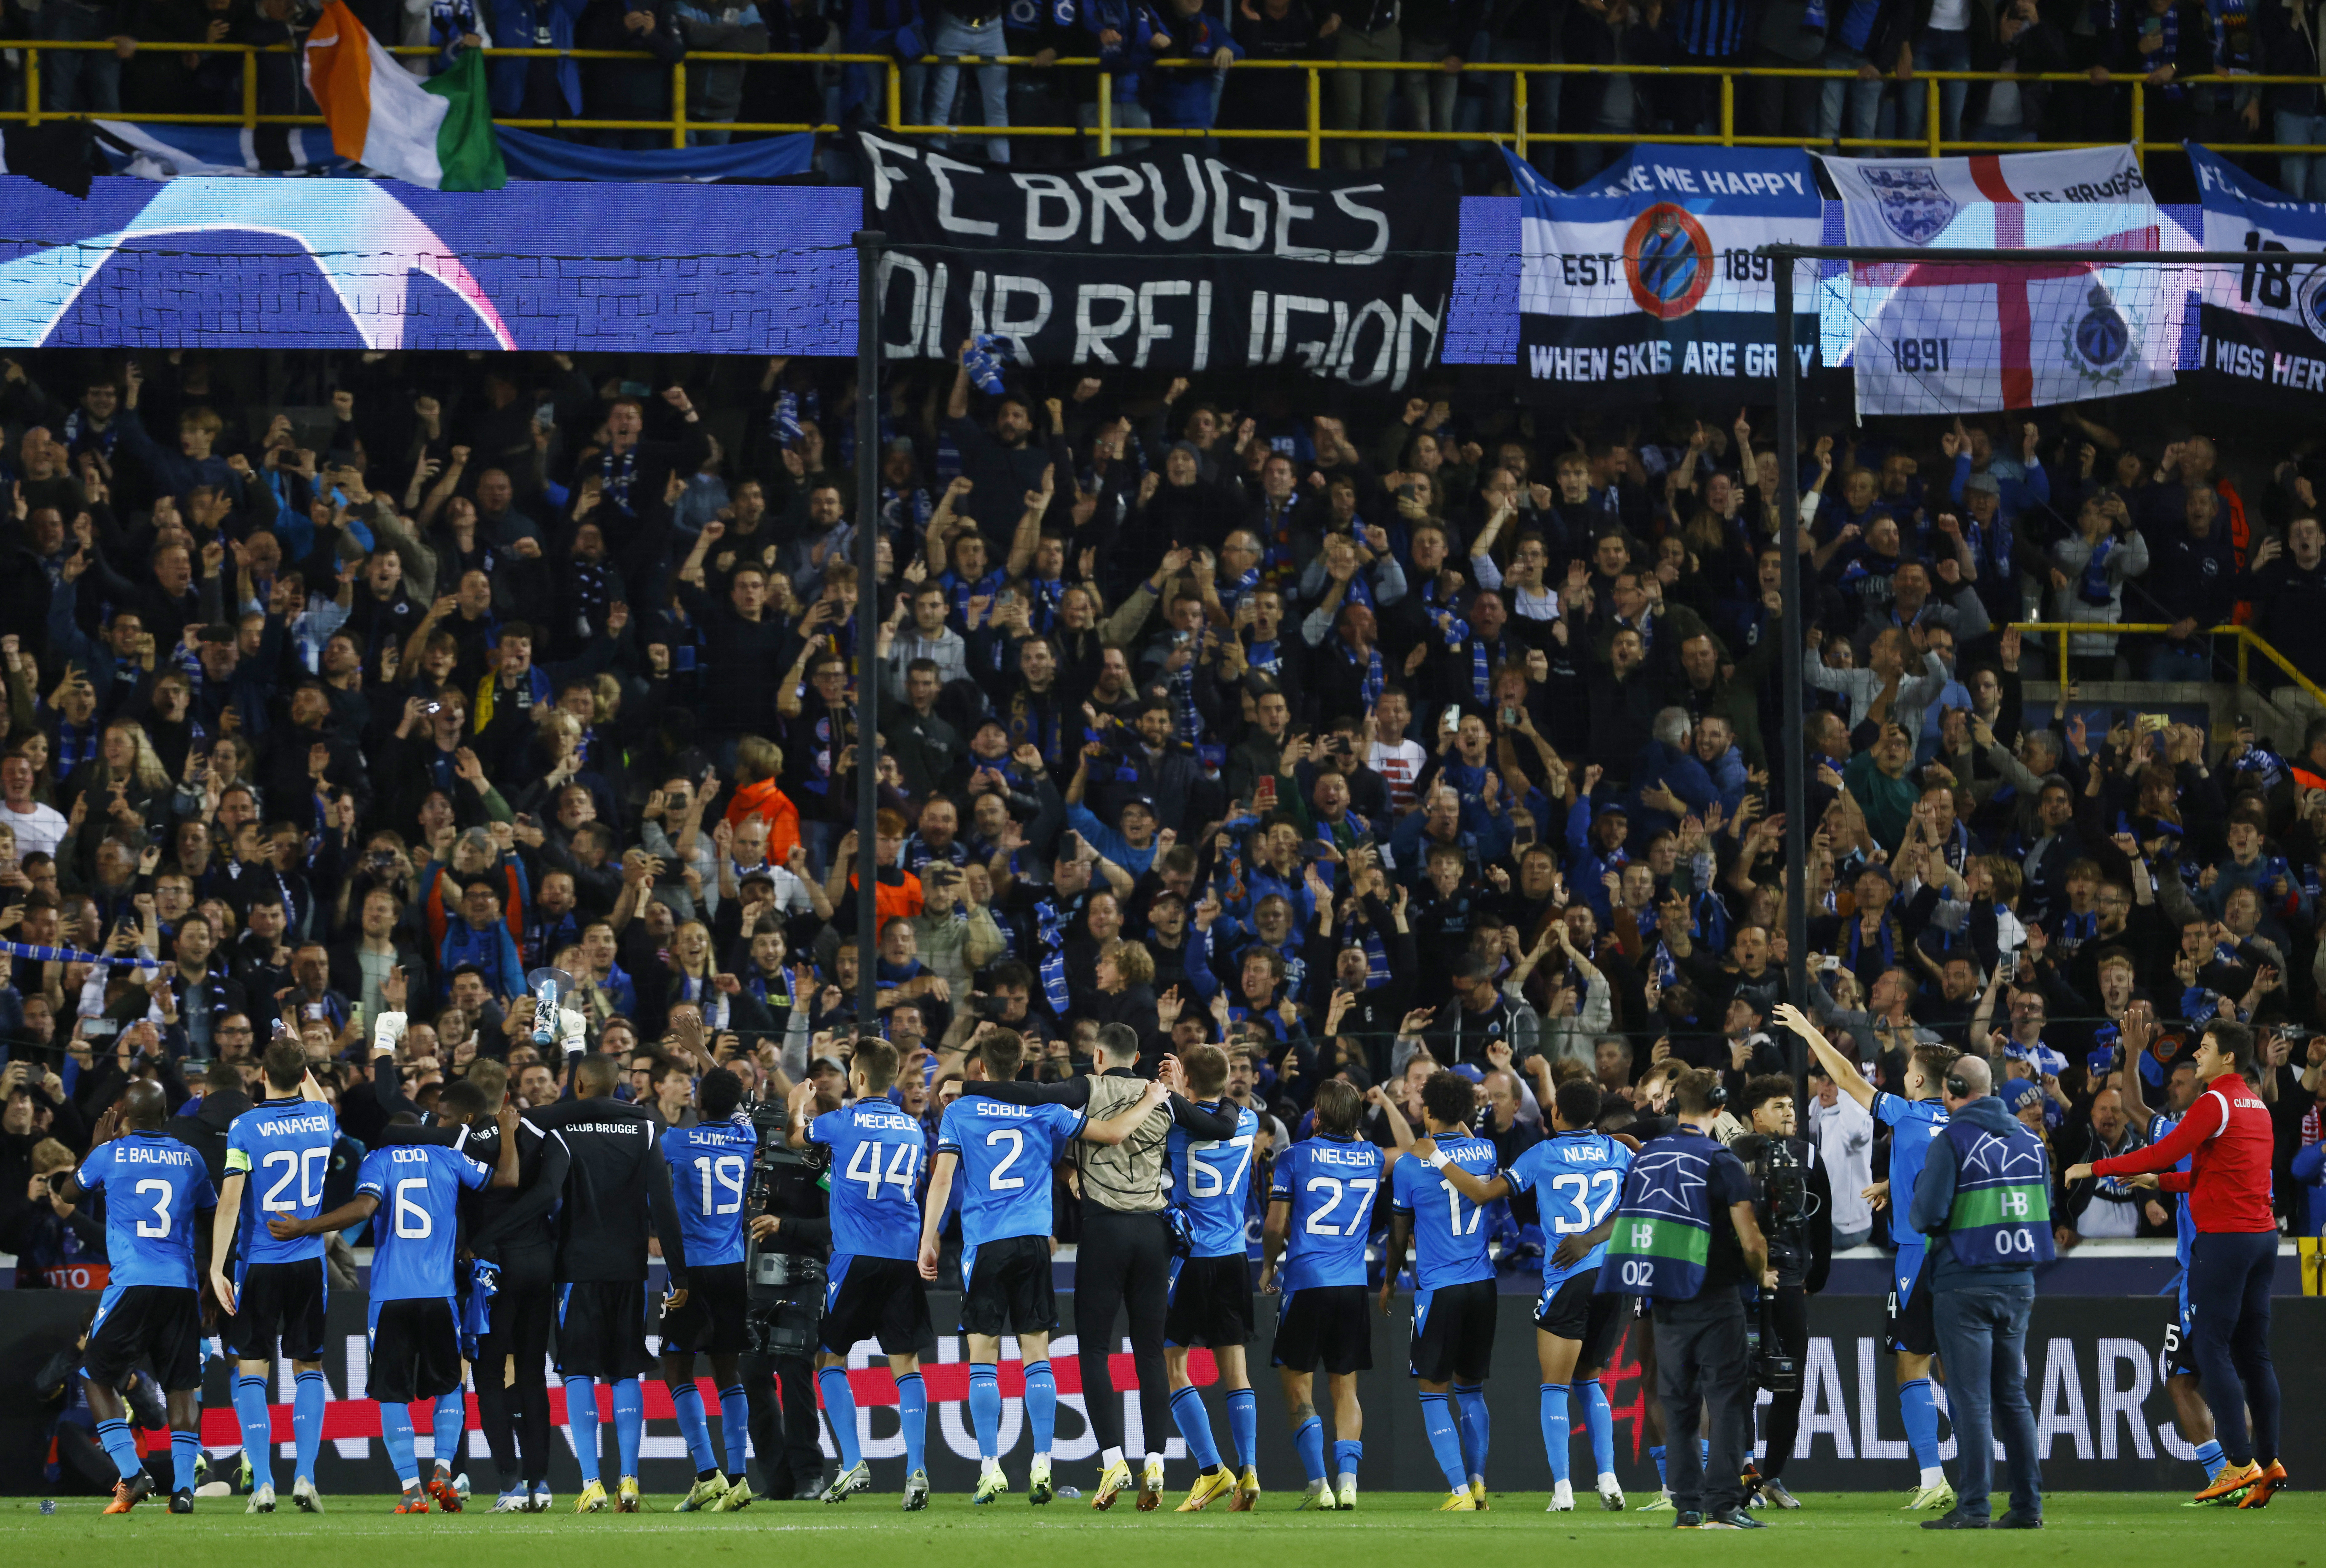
x=1371 y=685
x=2094 y=588
x=619 y=469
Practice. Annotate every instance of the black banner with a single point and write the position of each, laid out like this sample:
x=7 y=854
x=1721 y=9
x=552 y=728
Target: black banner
x=1165 y=260
x=2094 y=1376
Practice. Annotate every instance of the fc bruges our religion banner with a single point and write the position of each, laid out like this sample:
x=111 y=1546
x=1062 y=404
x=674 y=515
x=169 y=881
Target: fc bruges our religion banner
x=1958 y=338
x=1167 y=260
x=1646 y=286
x=2265 y=322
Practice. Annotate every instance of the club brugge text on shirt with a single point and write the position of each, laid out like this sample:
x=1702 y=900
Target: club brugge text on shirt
x=612 y=1129
x=1166 y=261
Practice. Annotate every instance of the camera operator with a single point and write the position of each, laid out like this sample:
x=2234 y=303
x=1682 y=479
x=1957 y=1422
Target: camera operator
x=1686 y=1237
x=1794 y=1202
x=791 y=1238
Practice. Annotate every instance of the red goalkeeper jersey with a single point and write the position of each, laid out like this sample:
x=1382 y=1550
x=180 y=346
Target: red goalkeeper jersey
x=2228 y=1138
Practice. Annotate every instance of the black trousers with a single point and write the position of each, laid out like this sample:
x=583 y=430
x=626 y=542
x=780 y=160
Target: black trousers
x=1701 y=1363
x=785 y=1436
x=516 y=1418
x=1789 y=1318
x=1123 y=1262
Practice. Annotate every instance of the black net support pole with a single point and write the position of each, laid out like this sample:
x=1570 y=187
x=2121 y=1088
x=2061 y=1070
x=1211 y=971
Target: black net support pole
x=869 y=244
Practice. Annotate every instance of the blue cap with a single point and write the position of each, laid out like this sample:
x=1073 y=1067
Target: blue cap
x=2016 y=1092
x=1470 y=1070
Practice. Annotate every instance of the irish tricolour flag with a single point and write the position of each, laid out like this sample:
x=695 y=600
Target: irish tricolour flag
x=437 y=133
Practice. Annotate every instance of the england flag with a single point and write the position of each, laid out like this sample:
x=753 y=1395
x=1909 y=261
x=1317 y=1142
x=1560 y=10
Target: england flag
x=1976 y=335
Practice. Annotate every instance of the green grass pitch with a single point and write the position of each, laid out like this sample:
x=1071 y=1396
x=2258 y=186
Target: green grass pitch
x=2111 y=1530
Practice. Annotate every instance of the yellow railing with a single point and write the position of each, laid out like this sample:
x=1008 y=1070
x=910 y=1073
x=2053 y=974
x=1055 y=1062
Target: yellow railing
x=2249 y=640
x=1314 y=134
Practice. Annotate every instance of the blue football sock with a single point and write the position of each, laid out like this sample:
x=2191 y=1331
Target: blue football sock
x=257 y=1426
x=451 y=1421
x=985 y=1408
x=686 y=1404
x=1656 y=1453
x=1310 y=1440
x=581 y=1419
x=2209 y=1455
x=1555 y=1429
x=121 y=1446
x=1346 y=1454
x=1243 y=1426
x=1042 y=1404
x=913 y=1417
x=1921 y=1413
x=309 y=1395
x=1445 y=1440
x=735 y=1428
x=840 y=1409
x=1470 y=1403
x=1196 y=1426
x=630 y=1423
x=185 y=1453
x=395 y=1431
x=1599 y=1420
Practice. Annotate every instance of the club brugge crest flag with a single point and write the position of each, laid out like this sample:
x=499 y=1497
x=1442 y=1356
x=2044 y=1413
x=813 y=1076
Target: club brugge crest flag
x=2263 y=324
x=1646 y=285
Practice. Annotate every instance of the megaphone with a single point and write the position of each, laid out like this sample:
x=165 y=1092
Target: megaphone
x=550 y=988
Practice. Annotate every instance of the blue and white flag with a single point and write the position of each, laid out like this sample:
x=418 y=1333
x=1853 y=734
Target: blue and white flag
x=1646 y=284
x=2263 y=324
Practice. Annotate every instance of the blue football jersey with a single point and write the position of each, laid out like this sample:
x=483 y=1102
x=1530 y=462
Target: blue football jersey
x=877 y=1152
x=1330 y=1183
x=283 y=1150
x=1912 y=1124
x=1006 y=1153
x=710 y=1171
x=419 y=1187
x=1576 y=1180
x=1211 y=1182
x=2184 y=1233
x=1449 y=1232
x=153 y=1184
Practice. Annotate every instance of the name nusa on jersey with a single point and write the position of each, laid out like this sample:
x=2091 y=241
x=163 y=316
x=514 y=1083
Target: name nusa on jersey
x=1576 y=1180
x=1449 y=1241
x=418 y=1225
x=1331 y=1184
x=875 y=1179
x=152 y=1185
x=1006 y=1153
x=283 y=1152
x=1211 y=1181
x=710 y=1169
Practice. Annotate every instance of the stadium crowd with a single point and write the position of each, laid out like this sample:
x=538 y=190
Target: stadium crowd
x=1354 y=740
x=1363 y=742
x=1170 y=65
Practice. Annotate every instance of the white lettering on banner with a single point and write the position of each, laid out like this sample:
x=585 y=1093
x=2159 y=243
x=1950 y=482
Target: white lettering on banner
x=1285 y=305
x=1108 y=184
x=2124 y=1402
x=1872 y=1376
x=933 y=347
x=1223 y=234
x=1164 y=227
x=1041 y=188
x=1091 y=334
x=1287 y=209
x=2060 y=1413
x=1019 y=329
x=1152 y=331
x=1346 y=200
x=891 y=264
x=939 y=166
x=1825 y=1408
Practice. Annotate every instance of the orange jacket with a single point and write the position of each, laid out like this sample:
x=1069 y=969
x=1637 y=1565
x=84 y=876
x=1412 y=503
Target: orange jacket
x=766 y=801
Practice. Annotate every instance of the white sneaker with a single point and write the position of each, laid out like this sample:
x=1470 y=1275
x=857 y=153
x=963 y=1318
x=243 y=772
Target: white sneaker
x=262 y=1501
x=1611 y=1493
x=304 y=1497
x=1562 y=1498
x=512 y=1501
x=542 y=1501
x=1349 y=1493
